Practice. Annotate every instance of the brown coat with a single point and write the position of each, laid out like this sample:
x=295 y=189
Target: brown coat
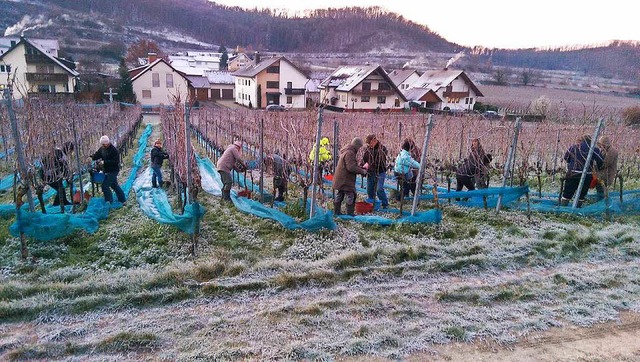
x=344 y=178
x=607 y=172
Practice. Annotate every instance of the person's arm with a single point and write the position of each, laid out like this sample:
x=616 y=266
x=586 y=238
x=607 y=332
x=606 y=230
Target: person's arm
x=352 y=164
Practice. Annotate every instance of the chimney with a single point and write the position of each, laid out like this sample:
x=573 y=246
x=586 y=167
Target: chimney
x=152 y=57
x=256 y=58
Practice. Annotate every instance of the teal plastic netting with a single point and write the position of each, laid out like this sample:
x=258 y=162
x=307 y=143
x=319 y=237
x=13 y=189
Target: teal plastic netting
x=154 y=203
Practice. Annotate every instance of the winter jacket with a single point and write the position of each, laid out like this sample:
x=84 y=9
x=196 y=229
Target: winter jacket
x=110 y=158
x=607 y=172
x=281 y=169
x=325 y=154
x=376 y=157
x=229 y=157
x=344 y=178
x=576 y=157
x=158 y=156
x=404 y=163
x=55 y=167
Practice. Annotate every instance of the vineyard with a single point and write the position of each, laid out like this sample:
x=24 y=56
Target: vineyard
x=177 y=274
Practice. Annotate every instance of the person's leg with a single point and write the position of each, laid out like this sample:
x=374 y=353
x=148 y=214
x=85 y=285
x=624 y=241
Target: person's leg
x=106 y=186
x=156 y=176
x=118 y=190
x=227 y=181
x=371 y=186
x=350 y=198
x=55 y=186
x=337 y=203
x=570 y=186
x=382 y=195
x=600 y=190
x=585 y=189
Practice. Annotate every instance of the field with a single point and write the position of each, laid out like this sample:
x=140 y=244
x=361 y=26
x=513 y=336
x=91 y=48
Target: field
x=478 y=286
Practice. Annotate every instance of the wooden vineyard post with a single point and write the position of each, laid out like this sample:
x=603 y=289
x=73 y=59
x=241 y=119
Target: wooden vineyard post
x=587 y=163
x=261 y=159
x=423 y=163
x=312 y=209
x=336 y=151
x=555 y=157
x=507 y=165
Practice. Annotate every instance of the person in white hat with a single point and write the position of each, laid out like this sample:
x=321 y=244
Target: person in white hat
x=230 y=160
x=110 y=159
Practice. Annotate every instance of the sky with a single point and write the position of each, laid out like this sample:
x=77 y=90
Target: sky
x=498 y=23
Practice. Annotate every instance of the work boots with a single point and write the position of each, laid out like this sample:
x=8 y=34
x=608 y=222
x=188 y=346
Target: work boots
x=336 y=208
x=226 y=195
x=351 y=209
x=564 y=202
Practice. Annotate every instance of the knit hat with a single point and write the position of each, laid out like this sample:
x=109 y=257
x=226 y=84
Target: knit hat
x=356 y=142
x=104 y=140
x=605 y=141
x=369 y=138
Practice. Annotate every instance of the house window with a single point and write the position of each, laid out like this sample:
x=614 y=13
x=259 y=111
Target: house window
x=5 y=68
x=470 y=100
x=46 y=88
x=273 y=69
x=382 y=99
x=169 y=80
x=397 y=102
x=289 y=85
x=273 y=84
x=146 y=93
x=289 y=99
x=155 y=79
x=384 y=86
x=365 y=99
x=366 y=87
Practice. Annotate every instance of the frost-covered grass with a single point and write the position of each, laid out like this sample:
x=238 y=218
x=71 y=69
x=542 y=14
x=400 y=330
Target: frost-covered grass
x=255 y=291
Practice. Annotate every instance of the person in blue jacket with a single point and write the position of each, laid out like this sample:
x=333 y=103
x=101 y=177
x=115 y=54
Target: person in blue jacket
x=403 y=166
x=576 y=157
x=157 y=157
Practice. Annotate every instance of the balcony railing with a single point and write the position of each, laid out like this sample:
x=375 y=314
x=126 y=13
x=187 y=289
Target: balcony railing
x=373 y=92
x=47 y=77
x=294 y=91
x=37 y=58
x=456 y=94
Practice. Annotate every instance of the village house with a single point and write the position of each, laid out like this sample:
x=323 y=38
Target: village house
x=270 y=81
x=159 y=84
x=213 y=86
x=37 y=70
x=404 y=78
x=444 y=89
x=195 y=62
x=237 y=61
x=361 y=88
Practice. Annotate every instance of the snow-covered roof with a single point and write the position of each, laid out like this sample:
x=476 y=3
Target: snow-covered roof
x=414 y=94
x=219 y=77
x=400 y=75
x=45 y=53
x=346 y=78
x=50 y=46
x=198 y=81
x=436 y=79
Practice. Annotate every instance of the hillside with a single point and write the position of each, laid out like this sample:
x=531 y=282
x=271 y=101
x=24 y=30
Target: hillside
x=95 y=30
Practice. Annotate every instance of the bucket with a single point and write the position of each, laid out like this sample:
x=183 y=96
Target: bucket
x=97 y=177
x=328 y=177
x=76 y=197
x=244 y=193
x=363 y=208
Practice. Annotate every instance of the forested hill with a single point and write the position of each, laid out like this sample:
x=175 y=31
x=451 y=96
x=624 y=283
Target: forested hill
x=103 y=29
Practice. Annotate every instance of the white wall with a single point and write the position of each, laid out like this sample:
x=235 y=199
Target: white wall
x=162 y=94
x=246 y=91
x=288 y=73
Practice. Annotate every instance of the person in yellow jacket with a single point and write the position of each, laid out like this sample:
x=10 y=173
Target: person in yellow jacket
x=324 y=157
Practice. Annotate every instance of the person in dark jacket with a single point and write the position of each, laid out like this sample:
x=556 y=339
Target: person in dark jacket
x=375 y=156
x=109 y=157
x=467 y=172
x=157 y=157
x=55 y=169
x=576 y=157
x=281 y=170
x=344 y=178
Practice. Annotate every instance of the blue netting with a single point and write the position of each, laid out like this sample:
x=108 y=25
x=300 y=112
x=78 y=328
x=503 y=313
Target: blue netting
x=54 y=224
x=6 y=183
x=154 y=203
x=629 y=205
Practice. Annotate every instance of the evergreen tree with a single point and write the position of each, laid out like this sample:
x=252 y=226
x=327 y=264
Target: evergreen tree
x=224 y=59
x=125 y=90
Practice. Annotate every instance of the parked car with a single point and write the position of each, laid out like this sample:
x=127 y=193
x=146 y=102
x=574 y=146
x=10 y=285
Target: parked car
x=491 y=114
x=276 y=108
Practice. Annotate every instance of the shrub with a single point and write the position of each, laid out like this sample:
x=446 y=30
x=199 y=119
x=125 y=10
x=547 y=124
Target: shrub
x=631 y=116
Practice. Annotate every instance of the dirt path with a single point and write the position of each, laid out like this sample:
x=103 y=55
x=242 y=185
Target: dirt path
x=608 y=341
